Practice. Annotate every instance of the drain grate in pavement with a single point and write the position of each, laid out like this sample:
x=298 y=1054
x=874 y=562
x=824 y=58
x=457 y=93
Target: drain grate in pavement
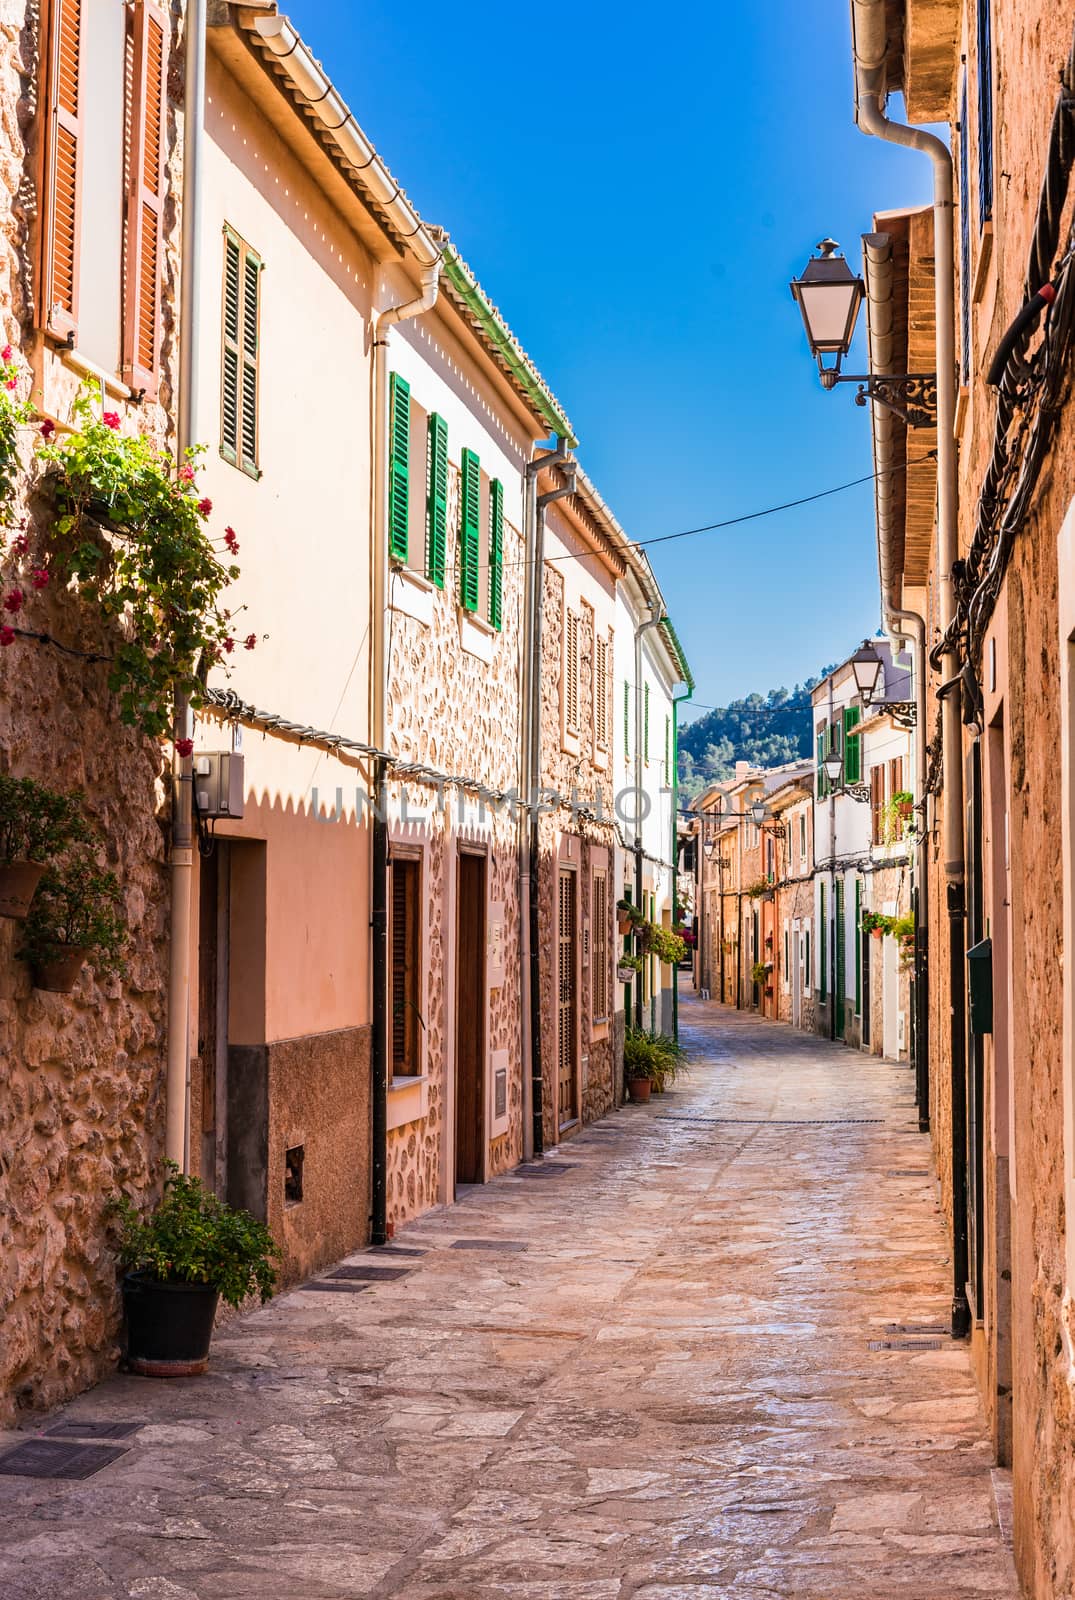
x=552 y=1171
x=907 y=1172
x=905 y=1344
x=917 y=1327
x=487 y=1244
x=369 y=1274
x=72 y=1428
x=394 y=1250
x=327 y=1286
x=53 y=1458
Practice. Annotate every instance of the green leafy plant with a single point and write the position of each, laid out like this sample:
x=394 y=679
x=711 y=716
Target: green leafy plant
x=76 y=907
x=876 y=922
x=130 y=531
x=759 y=972
x=649 y=1054
x=759 y=887
x=632 y=961
x=895 y=823
x=38 y=823
x=192 y=1237
x=663 y=943
x=14 y=413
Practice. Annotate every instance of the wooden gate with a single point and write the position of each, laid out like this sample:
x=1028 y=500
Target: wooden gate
x=567 y=1006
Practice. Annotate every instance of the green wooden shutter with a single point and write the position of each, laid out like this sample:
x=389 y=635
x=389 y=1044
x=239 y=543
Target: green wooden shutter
x=839 y=935
x=469 y=530
x=229 y=383
x=496 y=551
x=852 y=746
x=251 y=322
x=823 y=950
x=822 y=780
x=399 y=465
x=645 y=724
x=437 y=501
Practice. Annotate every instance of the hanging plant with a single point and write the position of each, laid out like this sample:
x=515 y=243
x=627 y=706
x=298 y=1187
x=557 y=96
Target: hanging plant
x=75 y=917
x=36 y=825
x=759 y=887
x=14 y=413
x=131 y=532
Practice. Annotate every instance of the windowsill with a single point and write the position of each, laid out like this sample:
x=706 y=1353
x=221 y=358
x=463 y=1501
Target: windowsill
x=962 y=406
x=599 y=1028
x=477 y=637
x=408 y=1100
x=85 y=368
x=985 y=257
x=411 y=594
x=569 y=742
x=599 y=760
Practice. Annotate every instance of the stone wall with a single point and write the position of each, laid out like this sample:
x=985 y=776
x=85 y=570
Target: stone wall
x=81 y=1113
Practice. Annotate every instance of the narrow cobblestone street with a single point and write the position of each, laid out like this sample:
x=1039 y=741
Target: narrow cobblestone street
x=649 y=1377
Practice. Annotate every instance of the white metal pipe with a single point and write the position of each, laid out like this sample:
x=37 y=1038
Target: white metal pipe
x=181 y=855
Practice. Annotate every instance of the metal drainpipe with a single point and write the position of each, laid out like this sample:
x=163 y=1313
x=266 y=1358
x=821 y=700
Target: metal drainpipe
x=541 y=501
x=893 y=617
x=682 y=701
x=643 y=627
x=869 y=35
x=832 y=875
x=379 y=692
x=181 y=855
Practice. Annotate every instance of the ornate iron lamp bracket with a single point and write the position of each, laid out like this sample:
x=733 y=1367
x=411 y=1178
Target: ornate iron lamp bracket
x=905 y=712
x=858 y=791
x=912 y=396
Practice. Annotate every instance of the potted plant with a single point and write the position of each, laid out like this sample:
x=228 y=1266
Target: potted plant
x=36 y=824
x=875 y=923
x=626 y=915
x=182 y=1257
x=759 y=972
x=903 y=930
x=640 y=1064
x=75 y=917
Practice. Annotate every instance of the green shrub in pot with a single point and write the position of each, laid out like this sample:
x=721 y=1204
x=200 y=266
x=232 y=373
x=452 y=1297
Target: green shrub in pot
x=75 y=916
x=36 y=825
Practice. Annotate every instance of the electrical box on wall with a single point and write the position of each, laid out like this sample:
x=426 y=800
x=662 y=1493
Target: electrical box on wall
x=218 y=784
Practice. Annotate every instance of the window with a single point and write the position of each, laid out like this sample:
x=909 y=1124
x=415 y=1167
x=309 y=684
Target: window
x=239 y=360
x=436 y=499
x=877 y=802
x=469 y=529
x=964 y=236
x=103 y=182
x=858 y=947
x=802 y=838
x=770 y=857
x=985 y=112
x=626 y=721
x=823 y=949
x=599 y=965
x=787 y=958
x=496 y=551
x=571 y=673
x=600 y=697
x=404 y=944
x=808 y=971
x=852 y=745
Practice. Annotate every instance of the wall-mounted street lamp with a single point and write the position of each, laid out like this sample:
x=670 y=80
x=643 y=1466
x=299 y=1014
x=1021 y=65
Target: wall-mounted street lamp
x=868 y=668
x=834 y=771
x=760 y=815
x=829 y=296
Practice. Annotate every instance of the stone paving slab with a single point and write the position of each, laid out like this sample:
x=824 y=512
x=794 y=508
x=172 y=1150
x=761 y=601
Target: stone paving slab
x=666 y=1395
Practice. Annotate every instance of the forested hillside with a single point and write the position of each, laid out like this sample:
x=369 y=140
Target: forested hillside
x=765 y=730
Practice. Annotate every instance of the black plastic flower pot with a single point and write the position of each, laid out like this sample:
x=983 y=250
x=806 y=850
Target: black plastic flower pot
x=169 y=1326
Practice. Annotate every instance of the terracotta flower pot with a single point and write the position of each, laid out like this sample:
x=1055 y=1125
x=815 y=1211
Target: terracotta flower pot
x=877 y=933
x=18 y=880
x=639 y=1089
x=61 y=973
x=623 y=922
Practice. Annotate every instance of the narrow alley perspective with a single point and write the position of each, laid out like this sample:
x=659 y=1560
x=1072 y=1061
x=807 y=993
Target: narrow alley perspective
x=701 y=1353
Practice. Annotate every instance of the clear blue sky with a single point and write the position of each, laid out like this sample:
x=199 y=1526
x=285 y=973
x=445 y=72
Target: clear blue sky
x=635 y=199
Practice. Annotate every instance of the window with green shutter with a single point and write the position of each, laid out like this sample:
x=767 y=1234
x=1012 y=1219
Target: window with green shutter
x=823 y=950
x=399 y=465
x=852 y=745
x=496 y=551
x=239 y=355
x=469 y=530
x=437 y=501
x=822 y=779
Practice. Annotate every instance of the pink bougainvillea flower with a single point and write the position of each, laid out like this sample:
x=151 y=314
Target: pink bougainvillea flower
x=186 y=474
x=12 y=383
x=48 y=428
x=184 y=747
x=250 y=642
x=20 y=545
x=39 y=577
x=111 y=420
x=229 y=644
x=231 y=541
x=205 y=508
x=6 y=353
x=13 y=601
x=7 y=636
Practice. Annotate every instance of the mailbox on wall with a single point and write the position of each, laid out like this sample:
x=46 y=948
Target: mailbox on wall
x=980 y=985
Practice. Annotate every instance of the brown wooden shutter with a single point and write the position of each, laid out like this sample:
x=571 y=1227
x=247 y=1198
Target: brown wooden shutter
x=62 y=187
x=571 y=666
x=877 y=802
x=145 y=199
x=405 y=971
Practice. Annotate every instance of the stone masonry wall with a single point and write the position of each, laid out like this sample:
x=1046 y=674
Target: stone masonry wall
x=81 y=1102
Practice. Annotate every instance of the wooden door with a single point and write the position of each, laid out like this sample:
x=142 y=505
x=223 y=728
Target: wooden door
x=209 y=1133
x=567 y=1010
x=470 y=1021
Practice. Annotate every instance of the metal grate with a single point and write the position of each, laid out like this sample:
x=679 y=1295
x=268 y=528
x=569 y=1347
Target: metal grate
x=72 y=1428
x=325 y=1285
x=394 y=1250
x=907 y=1172
x=905 y=1344
x=552 y=1171
x=487 y=1244
x=777 y=1122
x=917 y=1327
x=53 y=1458
x=370 y=1274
